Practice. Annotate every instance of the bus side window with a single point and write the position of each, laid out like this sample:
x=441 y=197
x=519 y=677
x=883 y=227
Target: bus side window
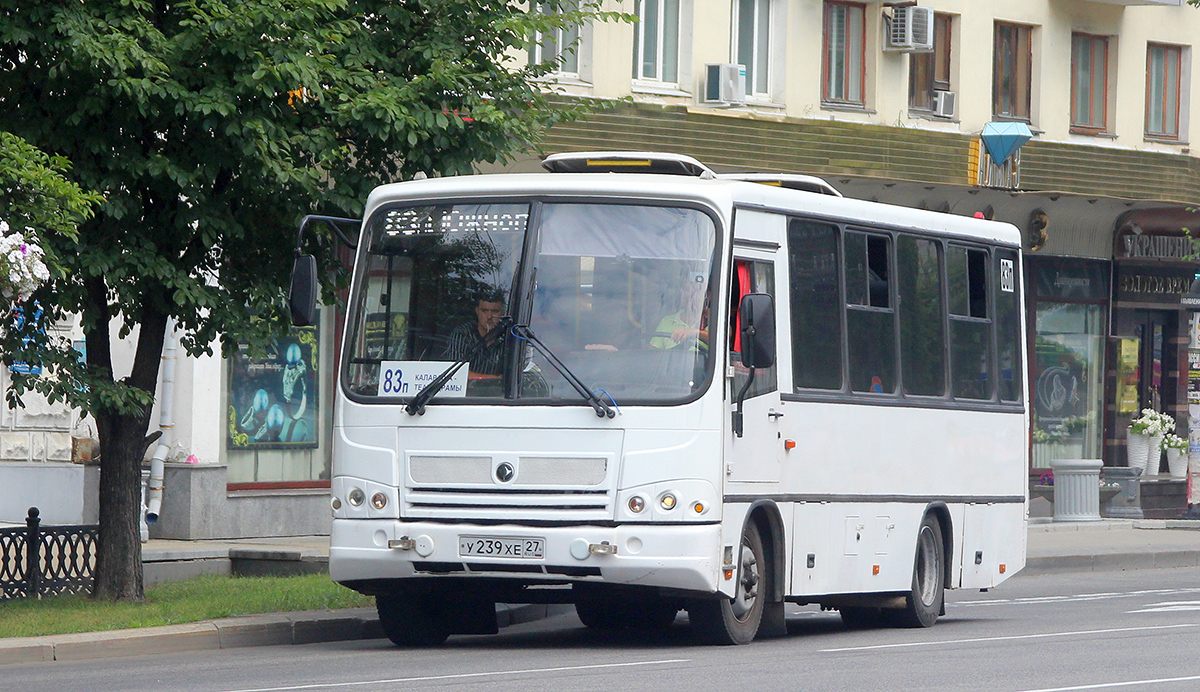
x=870 y=319
x=816 y=305
x=970 y=323
x=749 y=277
x=922 y=317
x=1008 y=325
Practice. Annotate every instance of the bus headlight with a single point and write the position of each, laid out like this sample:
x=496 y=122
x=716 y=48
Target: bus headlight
x=357 y=497
x=379 y=500
x=336 y=503
x=636 y=504
x=667 y=501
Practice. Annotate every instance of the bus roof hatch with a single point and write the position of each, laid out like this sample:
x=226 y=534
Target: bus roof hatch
x=626 y=162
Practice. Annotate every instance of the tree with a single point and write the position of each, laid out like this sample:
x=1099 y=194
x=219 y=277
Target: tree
x=210 y=127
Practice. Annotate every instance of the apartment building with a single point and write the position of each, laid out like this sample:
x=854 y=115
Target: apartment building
x=899 y=102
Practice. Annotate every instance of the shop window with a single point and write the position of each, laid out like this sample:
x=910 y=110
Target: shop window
x=1089 y=82
x=970 y=323
x=558 y=44
x=870 y=319
x=1012 y=70
x=656 y=41
x=930 y=72
x=1163 y=65
x=815 y=299
x=922 y=319
x=844 y=65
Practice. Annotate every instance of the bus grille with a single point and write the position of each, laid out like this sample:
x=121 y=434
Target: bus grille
x=540 y=488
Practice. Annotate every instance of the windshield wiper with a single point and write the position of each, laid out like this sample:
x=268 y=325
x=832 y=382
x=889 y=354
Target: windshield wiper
x=523 y=331
x=416 y=407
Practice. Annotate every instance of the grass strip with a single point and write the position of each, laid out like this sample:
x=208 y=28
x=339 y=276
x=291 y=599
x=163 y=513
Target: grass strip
x=177 y=602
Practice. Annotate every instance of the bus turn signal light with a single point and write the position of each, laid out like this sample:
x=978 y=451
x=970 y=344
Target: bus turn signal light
x=789 y=444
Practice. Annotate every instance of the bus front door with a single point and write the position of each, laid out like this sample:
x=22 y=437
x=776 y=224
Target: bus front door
x=755 y=455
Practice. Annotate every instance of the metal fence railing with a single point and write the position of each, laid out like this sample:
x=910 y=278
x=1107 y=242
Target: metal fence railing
x=38 y=561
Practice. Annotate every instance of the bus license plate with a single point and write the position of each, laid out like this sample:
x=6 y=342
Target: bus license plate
x=491 y=546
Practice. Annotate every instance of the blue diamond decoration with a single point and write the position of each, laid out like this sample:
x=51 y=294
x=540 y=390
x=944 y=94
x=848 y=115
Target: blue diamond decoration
x=1004 y=138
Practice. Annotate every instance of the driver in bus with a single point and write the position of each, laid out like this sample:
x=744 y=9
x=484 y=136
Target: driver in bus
x=687 y=326
x=468 y=341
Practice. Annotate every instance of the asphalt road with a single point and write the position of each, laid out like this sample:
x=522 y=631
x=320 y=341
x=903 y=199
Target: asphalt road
x=1118 y=630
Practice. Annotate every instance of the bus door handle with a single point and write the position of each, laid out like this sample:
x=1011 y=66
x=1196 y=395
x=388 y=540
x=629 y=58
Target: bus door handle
x=774 y=415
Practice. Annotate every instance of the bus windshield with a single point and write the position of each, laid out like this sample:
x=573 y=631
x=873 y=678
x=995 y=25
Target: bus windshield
x=614 y=296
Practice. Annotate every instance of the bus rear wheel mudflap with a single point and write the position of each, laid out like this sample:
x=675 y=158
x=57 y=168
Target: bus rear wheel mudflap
x=736 y=620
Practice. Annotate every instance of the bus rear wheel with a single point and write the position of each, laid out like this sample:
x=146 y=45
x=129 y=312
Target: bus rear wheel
x=736 y=620
x=412 y=619
x=925 y=600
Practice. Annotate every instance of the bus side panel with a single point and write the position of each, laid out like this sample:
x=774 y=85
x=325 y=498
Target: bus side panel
x=853 y=547
x=993 y=536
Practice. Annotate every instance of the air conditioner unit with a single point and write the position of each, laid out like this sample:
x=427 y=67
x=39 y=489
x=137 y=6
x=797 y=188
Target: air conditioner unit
x=724 y=83
x=944 y=103
x=911 y=29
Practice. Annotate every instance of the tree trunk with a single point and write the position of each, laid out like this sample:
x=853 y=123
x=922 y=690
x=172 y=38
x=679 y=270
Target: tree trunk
x=122 y=447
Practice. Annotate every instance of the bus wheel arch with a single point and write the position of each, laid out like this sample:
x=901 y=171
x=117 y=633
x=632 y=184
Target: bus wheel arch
x=757 y=606
x=942 y=513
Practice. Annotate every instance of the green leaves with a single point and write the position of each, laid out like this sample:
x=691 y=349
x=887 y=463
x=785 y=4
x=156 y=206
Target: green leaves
x=208 y=128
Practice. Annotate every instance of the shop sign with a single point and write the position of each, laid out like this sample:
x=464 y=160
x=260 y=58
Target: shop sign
x=1066 y=278
x=1153 y=284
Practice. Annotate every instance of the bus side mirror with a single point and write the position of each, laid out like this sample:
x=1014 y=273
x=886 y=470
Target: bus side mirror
x=757 y=318
x=302 y=297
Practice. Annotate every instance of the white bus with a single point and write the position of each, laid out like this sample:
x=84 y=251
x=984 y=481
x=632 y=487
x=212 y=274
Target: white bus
x=648 y=392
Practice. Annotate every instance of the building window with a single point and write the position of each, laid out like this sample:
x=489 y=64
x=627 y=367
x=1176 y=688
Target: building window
x=656 y=41
x=1089 y=82
x=1163 y=65
x=930 y=72
x=752 y=43
x=845 y=38
x=558 y=44
x=1012 y=66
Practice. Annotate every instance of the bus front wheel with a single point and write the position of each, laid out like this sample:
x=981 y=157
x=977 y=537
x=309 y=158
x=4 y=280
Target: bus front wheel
x=412 y=619
x=925 y=600
x=736 y=620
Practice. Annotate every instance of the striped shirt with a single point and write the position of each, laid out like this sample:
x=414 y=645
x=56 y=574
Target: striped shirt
x=487 y=360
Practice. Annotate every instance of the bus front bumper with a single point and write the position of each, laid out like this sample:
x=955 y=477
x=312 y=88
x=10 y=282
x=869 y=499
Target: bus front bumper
x=676 y=556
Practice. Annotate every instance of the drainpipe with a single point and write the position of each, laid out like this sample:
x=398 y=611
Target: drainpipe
x=166 y=423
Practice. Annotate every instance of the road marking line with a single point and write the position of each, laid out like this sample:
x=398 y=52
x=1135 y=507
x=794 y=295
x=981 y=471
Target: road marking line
x=1011 y=637
x=1040 y=600
x=459 y=676
x=1110 y=685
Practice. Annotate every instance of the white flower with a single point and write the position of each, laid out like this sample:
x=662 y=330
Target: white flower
x=22 y=270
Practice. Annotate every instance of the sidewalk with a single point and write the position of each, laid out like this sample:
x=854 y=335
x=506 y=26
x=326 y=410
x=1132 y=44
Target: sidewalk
x=1053 y=548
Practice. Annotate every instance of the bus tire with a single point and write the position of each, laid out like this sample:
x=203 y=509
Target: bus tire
x=926 y=599
x=412 y=619
x=735 y=621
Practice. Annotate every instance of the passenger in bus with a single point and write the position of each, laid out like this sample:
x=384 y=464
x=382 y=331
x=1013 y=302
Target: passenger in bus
x=488 y=360
x=686 y=327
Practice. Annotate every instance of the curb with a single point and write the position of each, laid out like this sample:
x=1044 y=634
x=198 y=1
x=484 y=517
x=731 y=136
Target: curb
x=271 y=629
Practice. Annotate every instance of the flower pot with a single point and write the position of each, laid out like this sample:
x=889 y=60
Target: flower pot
x=1143 y=452
x=1177 y=462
